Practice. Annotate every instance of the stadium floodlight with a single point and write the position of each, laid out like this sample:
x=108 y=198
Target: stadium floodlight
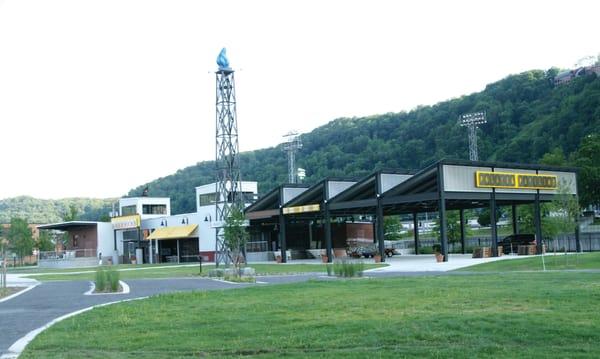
x=472 y=121
x=292 y=145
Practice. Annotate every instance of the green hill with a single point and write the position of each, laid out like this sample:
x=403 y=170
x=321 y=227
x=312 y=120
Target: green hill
x=47 y=211
x=527 y=115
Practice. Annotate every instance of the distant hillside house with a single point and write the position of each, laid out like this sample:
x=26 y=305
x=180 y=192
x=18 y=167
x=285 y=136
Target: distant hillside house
x=566 y=76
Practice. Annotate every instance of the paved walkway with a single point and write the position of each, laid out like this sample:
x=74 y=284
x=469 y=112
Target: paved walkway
x=427 y=263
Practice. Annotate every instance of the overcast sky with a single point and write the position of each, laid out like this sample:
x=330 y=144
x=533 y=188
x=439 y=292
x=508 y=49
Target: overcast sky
x=97 y=97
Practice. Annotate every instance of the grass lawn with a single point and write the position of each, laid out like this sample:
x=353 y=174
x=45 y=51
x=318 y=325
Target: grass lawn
x=187 y=271
x=510 y=315
x=553 y=262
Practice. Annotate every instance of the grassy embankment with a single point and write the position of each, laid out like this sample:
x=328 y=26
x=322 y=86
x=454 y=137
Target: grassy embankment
x=509 y=315
x=560 y=261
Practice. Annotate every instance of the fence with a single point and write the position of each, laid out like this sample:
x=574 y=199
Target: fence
x=258 y=246
x=68 y=254
x=563 y=243
x=20 y=261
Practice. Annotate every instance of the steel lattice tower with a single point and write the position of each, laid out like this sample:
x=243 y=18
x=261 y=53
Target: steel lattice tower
x=472 y=121
x=291 y=146
x=228 y=191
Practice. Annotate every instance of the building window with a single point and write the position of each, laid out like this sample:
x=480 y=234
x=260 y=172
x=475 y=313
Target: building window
x=154 y=209
x=128 y=210
x=130 y=235
x=207 y=199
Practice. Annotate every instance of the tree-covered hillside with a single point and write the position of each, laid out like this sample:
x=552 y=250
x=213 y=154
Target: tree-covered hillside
x=527 y=117
x=48 y=211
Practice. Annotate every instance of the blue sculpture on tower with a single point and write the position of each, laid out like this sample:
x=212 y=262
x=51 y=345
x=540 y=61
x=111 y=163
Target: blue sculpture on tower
x=222 y=60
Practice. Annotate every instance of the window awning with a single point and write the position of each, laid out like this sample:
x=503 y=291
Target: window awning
x=174 y=232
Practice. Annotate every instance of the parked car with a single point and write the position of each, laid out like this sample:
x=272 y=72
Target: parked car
x=515 y=240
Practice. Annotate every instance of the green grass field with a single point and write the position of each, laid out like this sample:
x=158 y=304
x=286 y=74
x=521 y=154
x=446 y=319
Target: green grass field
x=511 y=315
x=127 y=272
x=571 y=261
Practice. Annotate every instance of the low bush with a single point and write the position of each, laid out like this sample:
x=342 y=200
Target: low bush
x=107 y=280
x=112 y=277
x=100 y=280
x=348 y=268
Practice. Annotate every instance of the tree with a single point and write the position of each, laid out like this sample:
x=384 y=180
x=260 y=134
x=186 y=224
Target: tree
x=71 y=214
x=392 y=227
x=554 y=158
x=484 y=219
x=20 y=237
x=562 y=212
x=235 y=235
x=587 y=158
x=45 y=243
x=452 y=227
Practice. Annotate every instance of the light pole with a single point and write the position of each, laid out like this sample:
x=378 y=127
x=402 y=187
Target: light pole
x=472 y=121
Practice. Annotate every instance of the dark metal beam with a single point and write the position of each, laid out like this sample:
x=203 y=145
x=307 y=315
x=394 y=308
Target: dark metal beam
x=379 y=227
x=442 y=210
x=411 y=198
x=493 y=225
x=515 y=222
x=282 y=235
x=362 y=203
x=416 y=231
x=462 y=230
x=263 y=214
x=328 y=233
x=537 y=219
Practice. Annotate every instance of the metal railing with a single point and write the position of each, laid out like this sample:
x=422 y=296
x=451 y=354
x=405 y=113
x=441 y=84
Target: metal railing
x=69 y=254
x=259 y=246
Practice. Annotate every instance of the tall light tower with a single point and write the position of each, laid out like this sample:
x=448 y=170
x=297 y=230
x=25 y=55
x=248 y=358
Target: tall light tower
x=291 y=146
x=472 y=121
x=228 y=193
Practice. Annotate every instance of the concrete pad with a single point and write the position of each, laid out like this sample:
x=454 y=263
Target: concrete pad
x=16 y=280
x=427 y=263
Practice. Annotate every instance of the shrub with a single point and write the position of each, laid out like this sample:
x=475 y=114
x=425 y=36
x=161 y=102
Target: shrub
x=425 y=250
x=100 y=280
x=107 y=280
x=348 y=268
x=437 y=248
x=113 y=280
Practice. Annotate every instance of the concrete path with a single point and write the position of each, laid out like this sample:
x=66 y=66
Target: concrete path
x=427 y=263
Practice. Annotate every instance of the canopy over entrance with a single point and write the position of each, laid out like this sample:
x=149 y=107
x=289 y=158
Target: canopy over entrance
x=174 y=232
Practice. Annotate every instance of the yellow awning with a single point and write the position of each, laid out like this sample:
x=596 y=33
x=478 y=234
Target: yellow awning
x=173 y=232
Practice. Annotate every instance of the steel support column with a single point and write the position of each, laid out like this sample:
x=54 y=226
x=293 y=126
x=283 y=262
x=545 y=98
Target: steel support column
x=462 y=230
x=442 y=210
x=416 y=231
x=380 y=232
x=515 y=222
x=282 y=239
x=493 y=225
x=537 y=219
x=328 y=234
x=577 y=237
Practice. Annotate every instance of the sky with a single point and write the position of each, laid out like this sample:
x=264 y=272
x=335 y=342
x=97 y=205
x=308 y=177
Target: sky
x=98 y=97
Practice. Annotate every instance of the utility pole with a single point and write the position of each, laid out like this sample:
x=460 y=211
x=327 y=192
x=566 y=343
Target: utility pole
x=228 y=179
x=472 y=121
x=3 y=244
x=291 y=146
